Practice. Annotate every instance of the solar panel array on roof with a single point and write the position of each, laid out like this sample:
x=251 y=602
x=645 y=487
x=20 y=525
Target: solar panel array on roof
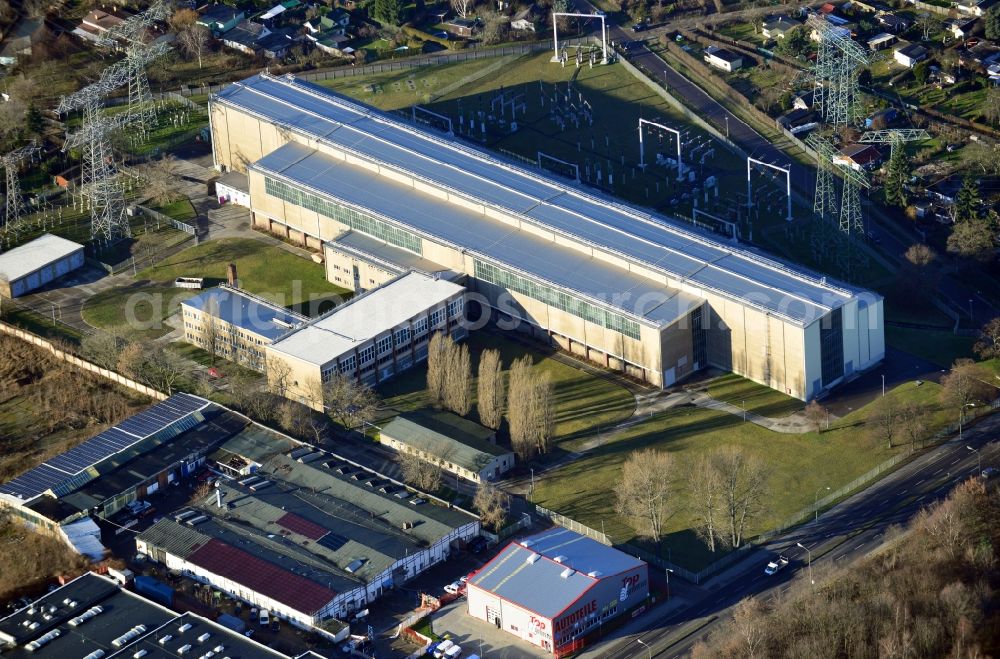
x=60 y=469
x=332 y=541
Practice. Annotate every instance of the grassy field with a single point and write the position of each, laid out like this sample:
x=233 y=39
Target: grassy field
x=753 y=397
x=264 y=269
x=800 y=464
x=468 y=91
x=582 y=401
x=941 y=348
x=138 y=309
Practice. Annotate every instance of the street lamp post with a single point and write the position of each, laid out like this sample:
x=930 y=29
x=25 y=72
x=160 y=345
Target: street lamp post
x=532 y=493
x=648 y=649
x=961 y=417
x=668 y=582
x=979 y=459
x=883 y=385
x=816 y=500
x=809 y=555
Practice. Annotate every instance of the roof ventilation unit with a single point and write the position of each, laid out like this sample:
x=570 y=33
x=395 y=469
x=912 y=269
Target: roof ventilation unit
x=96 y=654
x=594 y=573
x=140 y=654
x=85 y=616
x=184 y=648
x=533 y=558
x=560 y=559
x=183 y=628
x=43 y=640
x=567 y=573
x=165 y=639
x=204 y=637
x=195 y=521
x=131 y=634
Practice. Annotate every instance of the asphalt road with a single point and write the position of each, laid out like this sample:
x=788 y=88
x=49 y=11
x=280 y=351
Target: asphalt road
x=848 y=531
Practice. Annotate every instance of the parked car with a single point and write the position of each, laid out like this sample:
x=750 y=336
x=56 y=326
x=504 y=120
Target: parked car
x=442 y=649
x=990 y=472
x=776 y=565
x=640 y=26
x=264 y=618
x=453 y=587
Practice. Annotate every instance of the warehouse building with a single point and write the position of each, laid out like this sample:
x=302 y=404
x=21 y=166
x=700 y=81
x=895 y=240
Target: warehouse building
x=309 y=536
x=556 y=588
x=372 y=337
x=236 y=325
x=37 y=263
x=459 y=446
x=609 y=282
x=93 y=617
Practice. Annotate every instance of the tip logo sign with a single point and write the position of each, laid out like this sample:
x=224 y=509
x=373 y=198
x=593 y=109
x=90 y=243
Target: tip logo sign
x=628 y=583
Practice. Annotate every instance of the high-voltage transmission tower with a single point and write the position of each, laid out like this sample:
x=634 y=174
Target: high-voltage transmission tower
x=14 y=213
x=133 y=34
x=833 y=224
x=100 y=180
x=895 y=138
x=836 y=90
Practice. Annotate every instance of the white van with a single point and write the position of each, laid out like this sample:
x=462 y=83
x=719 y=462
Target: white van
x=454 y=652
x=264 y=618
x=440 y=650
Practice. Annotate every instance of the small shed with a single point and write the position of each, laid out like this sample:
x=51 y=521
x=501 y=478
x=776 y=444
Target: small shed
x=37 y=263
x=460 y=446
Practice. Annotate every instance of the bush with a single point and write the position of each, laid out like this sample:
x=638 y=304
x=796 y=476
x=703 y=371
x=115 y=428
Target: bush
x=427 y=36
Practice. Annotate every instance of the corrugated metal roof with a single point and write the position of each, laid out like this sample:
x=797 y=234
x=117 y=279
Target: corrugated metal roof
x=451 y=444
x=246 y=311
x=261 y=576
x=318 y=113
x=528 y=574
x=360 y=320
x=34 y=255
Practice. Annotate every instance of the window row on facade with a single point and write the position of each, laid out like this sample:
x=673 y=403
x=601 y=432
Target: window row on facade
x=561 y=300
x=362 y=222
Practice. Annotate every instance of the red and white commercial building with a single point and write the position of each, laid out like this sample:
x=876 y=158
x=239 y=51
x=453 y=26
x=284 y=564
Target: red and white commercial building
x=555 y=588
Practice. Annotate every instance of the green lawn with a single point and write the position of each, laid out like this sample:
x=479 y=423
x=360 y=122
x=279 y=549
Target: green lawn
x=582 y=401
x=584 y=489
x=941 y=348
x=138 y=309
x=754 y=397
x=264 y=269
x=181 y=210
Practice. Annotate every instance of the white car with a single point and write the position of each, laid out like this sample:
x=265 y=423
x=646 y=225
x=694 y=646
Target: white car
x=453 y=587
x=264 y=618
x=443 y=648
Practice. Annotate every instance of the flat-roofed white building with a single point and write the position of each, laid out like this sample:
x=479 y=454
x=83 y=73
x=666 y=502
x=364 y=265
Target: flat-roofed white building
x=373 y=337
x=37 y=263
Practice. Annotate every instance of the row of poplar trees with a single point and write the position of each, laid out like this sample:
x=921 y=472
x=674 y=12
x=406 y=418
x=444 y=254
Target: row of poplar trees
x=525 y=398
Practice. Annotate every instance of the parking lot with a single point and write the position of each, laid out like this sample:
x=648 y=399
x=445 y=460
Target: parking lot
x=478 y=636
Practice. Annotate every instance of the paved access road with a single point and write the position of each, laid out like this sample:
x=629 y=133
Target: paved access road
x=849 y=530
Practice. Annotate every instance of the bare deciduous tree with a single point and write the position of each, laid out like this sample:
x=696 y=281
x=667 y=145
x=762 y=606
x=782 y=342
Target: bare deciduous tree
x=279 y=375
x=643 y=495
x=490 y=389
x=349 y=402
x=963 y=385
x=421 y=474
x=463 y=7
x=194 y=42
x=749 y=625
x=705 y=498
x=743 y=483
x=491 y=504
x=817 y=415
x=437 y=357
x=882 y=419
x=457 y=381
x=988 y=345
x=519 y=404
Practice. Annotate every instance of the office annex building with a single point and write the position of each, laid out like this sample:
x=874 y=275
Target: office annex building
x=610 y=282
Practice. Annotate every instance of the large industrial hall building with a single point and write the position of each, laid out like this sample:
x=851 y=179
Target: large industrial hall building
x=613 y=283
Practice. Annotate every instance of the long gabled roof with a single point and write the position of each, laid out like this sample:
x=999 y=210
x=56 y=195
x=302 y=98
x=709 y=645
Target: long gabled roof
x=480 y=178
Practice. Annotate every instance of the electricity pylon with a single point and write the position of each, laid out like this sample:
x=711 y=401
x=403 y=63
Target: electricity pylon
x=133 y=33
x=100 y=181
x=894 y=137
x=837 y=92
x=14 y=208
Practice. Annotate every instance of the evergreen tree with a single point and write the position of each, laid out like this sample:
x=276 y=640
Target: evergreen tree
x=967 y=200
x=388 y=12
x=993 y=23
x=897 y=172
